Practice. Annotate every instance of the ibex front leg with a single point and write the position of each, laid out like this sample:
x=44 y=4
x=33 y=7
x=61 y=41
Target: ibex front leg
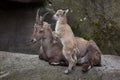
x=55 y=36
x=42 y=54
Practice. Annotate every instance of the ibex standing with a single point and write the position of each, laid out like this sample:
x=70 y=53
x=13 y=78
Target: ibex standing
x=64 y=32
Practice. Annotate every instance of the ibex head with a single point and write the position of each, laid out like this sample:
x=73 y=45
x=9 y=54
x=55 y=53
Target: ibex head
x=60 y=13
x=38 y=26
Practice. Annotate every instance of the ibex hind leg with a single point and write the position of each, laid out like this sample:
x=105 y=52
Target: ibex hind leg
x=75 y=58
x=86 y=67
x=71 y=61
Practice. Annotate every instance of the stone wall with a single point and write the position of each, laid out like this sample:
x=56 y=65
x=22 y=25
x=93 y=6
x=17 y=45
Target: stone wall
x=16 y=27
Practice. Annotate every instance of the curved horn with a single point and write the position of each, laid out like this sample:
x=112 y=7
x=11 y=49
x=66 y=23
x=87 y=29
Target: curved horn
x=45 y=14
x=37 y=15
x=42 y=18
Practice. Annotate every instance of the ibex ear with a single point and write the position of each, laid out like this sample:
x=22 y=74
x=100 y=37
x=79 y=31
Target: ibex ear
x=41 y=18
x=66 y=11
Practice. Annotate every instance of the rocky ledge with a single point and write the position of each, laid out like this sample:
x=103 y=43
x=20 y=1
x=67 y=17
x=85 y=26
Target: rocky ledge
x=18 y=66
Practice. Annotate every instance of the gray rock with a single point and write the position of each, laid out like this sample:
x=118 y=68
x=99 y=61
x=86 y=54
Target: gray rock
x=28 y=67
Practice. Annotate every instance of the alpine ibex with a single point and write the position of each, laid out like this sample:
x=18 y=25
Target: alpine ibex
x=49 y=51
x=88 y=53
x=64 y=32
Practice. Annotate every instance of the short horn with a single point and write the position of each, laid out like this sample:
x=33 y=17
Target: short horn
x=42 y=18
x=45 y=15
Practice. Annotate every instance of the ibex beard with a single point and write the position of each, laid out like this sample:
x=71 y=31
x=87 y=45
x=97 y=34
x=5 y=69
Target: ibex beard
x=64 y=32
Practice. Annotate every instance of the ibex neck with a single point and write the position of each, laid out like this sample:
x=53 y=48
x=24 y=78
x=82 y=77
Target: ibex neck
x=63 y=20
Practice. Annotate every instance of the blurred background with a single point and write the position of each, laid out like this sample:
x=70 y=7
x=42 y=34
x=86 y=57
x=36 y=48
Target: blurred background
x=91 y=19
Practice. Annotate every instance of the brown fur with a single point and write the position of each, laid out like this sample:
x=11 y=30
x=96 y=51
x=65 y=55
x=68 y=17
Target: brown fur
x=88 y=54
x=49 y=51
x=52 y=51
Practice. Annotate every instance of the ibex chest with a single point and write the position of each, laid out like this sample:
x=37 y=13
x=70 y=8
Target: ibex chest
x=60 y=29
x=58 y=26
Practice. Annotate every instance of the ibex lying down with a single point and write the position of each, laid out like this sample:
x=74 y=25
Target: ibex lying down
x=87 y=51
x=49 y=51
x=64 y=32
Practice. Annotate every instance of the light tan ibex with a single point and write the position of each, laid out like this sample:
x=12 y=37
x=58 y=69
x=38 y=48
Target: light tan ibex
x=64 y=32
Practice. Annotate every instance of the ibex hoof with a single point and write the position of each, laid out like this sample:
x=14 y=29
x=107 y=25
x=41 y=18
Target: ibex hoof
x=54 y=63
x=84 y=70
x=67 y=71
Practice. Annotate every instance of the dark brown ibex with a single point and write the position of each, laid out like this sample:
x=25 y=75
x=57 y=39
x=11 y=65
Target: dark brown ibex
x=49 y=50
x=88 y=54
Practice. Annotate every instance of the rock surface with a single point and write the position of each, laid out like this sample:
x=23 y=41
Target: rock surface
x=28 y=67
